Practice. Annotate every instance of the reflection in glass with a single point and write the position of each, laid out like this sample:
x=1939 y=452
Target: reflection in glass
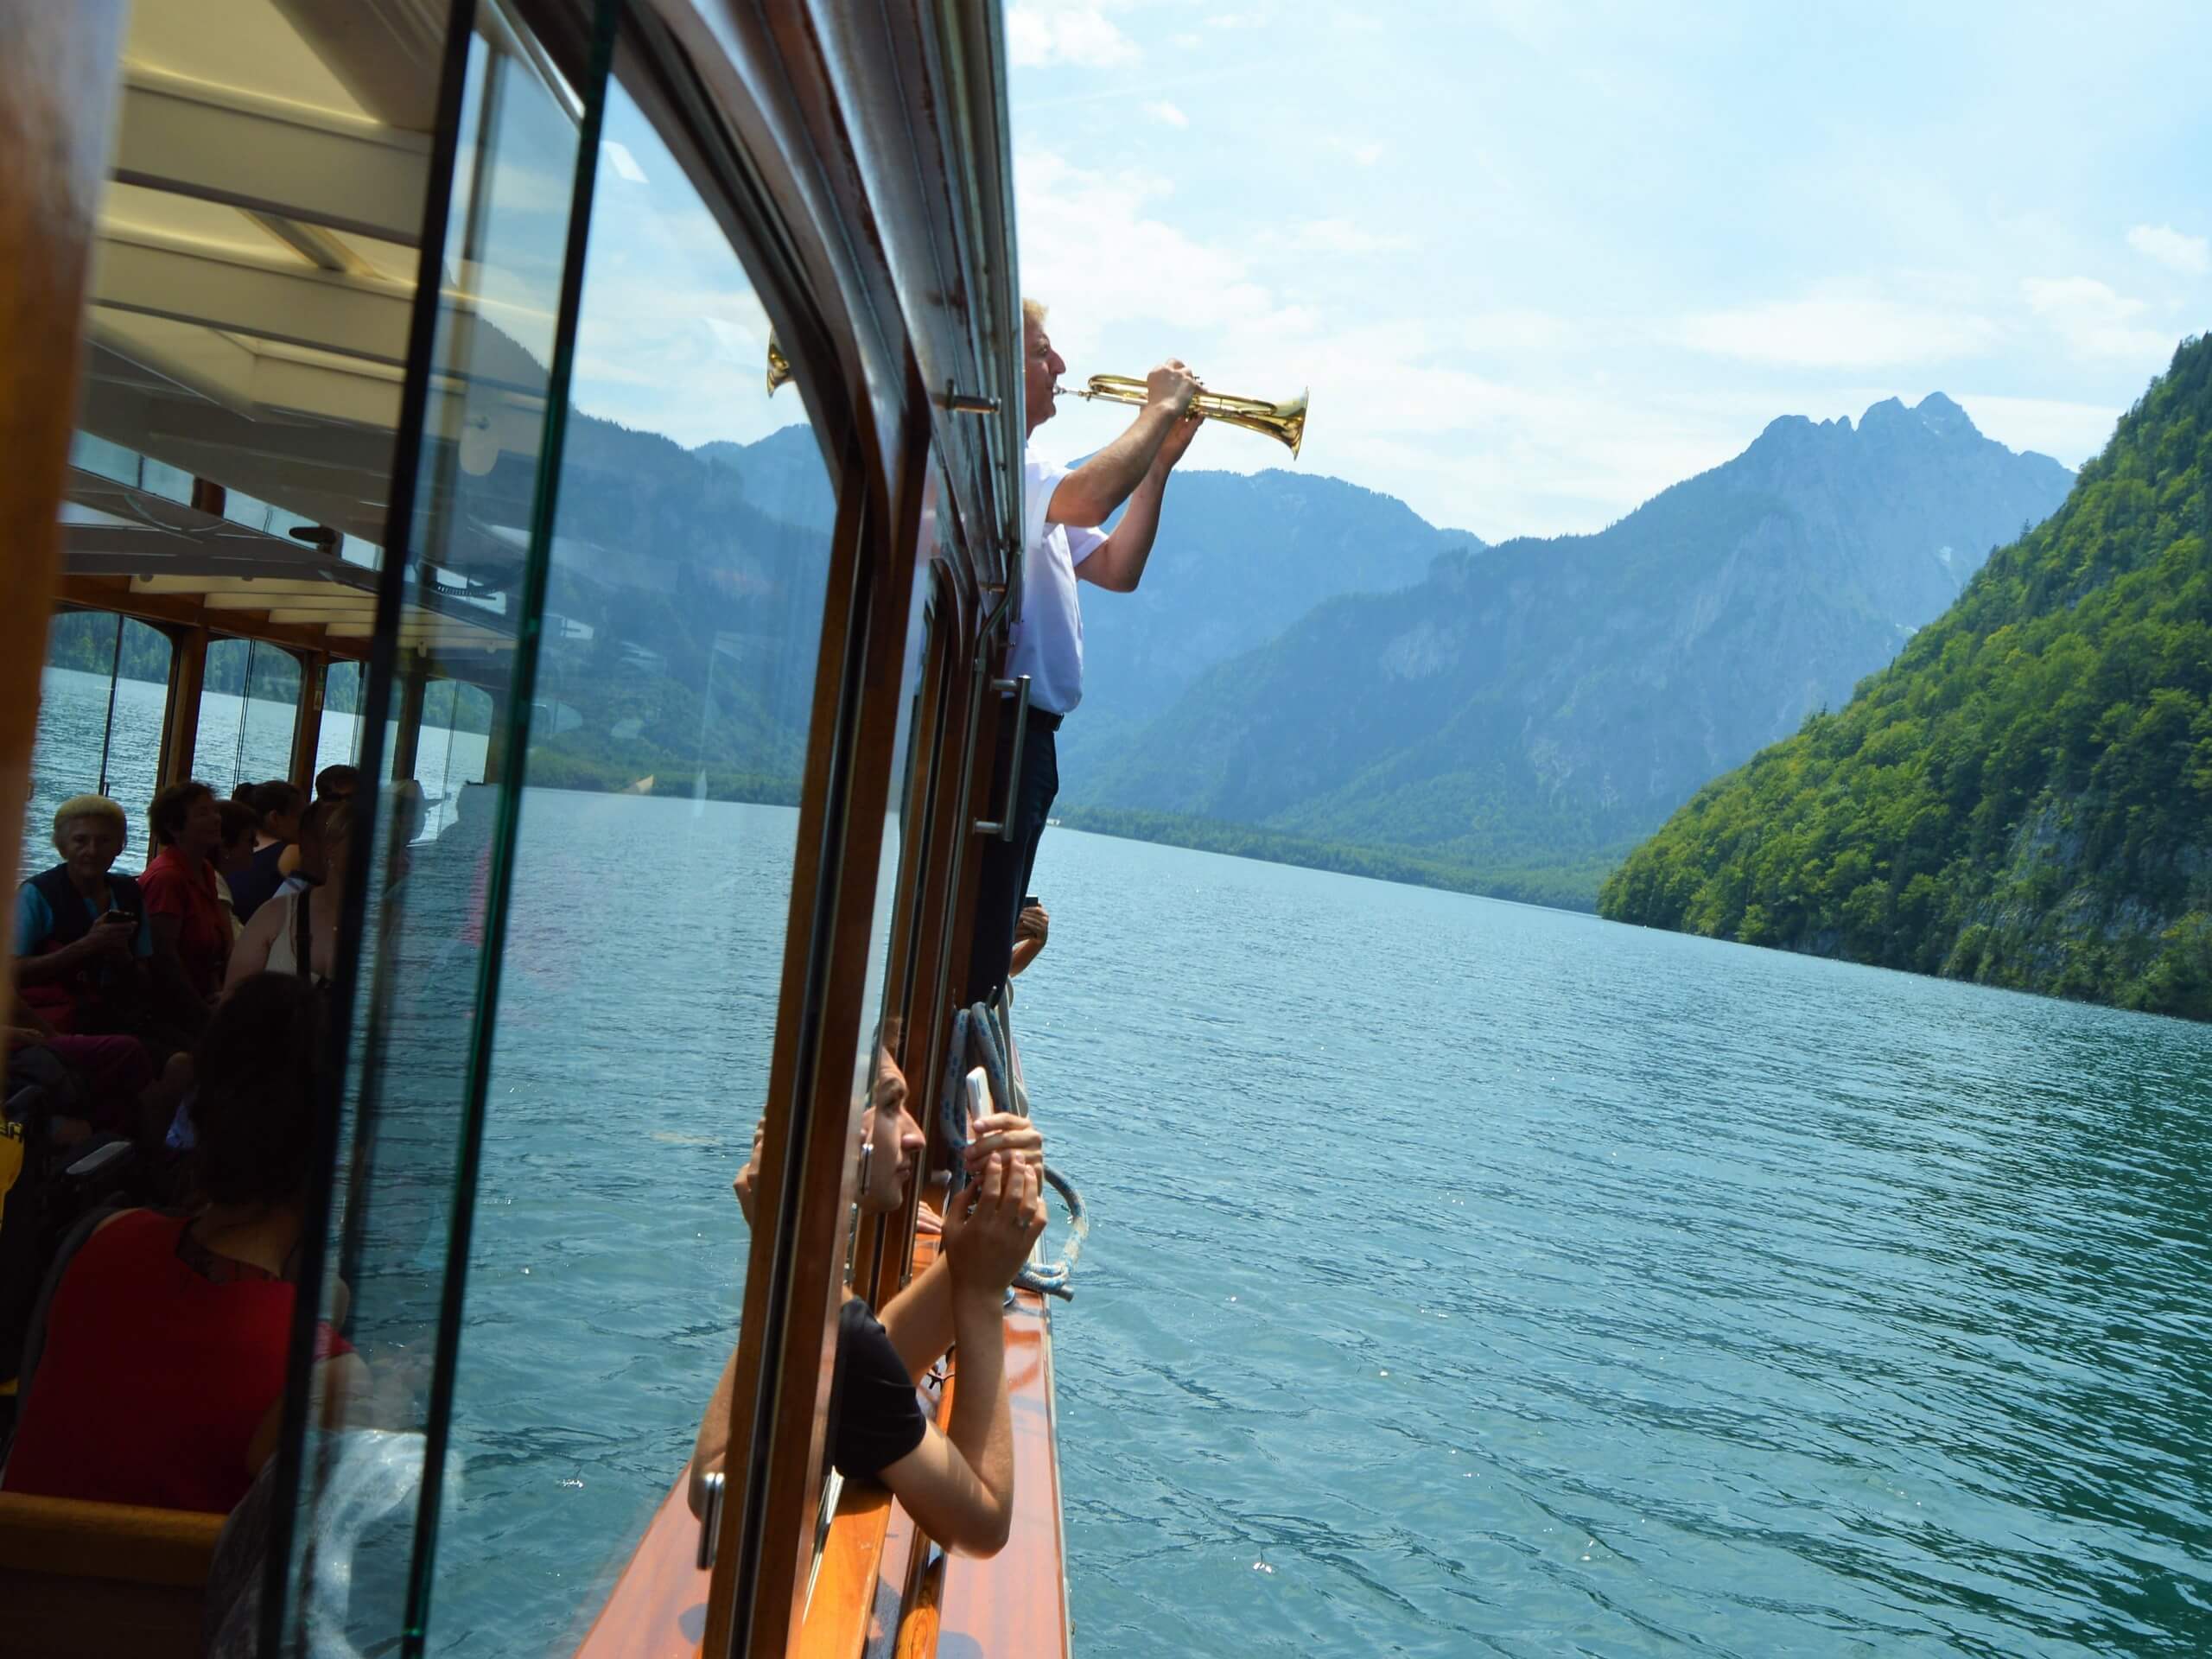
x=99 y=726
x=430 y=933
x=645 y=931
x=249 y=709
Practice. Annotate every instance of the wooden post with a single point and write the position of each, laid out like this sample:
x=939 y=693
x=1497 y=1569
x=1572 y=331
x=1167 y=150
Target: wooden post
x=58 y=69
x=187 y=678
x=407 y=736
x=307 y=726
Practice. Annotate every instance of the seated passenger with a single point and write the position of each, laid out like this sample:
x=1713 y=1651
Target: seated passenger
x=278 y=805
x=189 y=925
x=82 y=933
x=161 y=1380
x=116 y=1071
x=957 y=1484
x=296 y=933
x=234 y=857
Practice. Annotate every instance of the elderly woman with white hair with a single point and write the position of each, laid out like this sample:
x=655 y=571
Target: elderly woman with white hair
x=81 y=929
x=82 y=945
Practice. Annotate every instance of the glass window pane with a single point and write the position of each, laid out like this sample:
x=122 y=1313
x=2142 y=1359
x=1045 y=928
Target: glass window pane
x=645 y=932
x=99 y=725
x=429 y=943
x=249 y=709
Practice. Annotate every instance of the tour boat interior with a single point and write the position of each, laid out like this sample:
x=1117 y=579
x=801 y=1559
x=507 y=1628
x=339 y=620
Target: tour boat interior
x=419 y=428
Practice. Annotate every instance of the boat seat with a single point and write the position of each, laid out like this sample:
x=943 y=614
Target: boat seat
x=86 y=1579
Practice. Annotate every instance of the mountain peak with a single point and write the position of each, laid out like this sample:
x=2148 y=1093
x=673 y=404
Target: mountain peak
x=1934 y=414
x=1943 y=417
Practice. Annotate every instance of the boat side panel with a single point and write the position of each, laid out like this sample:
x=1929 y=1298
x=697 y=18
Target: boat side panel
x=1016 y=1605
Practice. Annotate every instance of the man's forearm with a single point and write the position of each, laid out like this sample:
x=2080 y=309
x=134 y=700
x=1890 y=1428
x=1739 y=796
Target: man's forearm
x=1120 y=564
x=983 y=1427
x=1090 y=494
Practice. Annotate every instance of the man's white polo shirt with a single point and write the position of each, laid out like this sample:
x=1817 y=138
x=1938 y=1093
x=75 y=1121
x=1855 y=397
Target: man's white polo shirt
x=1047 y=638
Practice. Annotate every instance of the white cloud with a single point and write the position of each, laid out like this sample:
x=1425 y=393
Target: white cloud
x=1839 y=333
x=2189 y=254
x=1365 y=151
x=1342 y=236
x=1041 y=32
x=1167 y=114
x=2071 y=433
x=2095 y=321
x=1094 y=248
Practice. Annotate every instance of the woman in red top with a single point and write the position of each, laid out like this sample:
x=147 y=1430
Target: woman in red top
x=190 y=925
x=162 y=1379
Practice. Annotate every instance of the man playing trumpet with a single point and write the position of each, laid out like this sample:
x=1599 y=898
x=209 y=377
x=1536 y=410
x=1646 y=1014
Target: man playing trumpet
x=1061 y=508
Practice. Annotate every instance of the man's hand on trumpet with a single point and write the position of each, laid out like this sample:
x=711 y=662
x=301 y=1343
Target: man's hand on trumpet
x=1174 y=384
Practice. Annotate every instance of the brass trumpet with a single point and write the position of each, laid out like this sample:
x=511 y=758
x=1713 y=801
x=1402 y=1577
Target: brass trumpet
x=1284 y=422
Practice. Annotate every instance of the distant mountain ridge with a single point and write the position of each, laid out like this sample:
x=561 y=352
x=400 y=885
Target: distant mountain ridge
x=1541 y=705
x=1239 y=558
x=2024 y=798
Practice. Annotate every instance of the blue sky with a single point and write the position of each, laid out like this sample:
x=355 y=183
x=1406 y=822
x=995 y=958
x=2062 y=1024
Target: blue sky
x=1537 y=262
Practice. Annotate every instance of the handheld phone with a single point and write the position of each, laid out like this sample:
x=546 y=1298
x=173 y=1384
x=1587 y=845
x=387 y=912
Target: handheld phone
x=978 y=1102
x=1029 y=901
x=976 y=1105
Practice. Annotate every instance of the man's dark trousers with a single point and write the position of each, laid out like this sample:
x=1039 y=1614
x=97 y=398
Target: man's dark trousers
x=1007 y=864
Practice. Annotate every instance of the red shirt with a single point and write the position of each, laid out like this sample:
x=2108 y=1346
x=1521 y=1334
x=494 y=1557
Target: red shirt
x=173 y=888
x=161 y=1361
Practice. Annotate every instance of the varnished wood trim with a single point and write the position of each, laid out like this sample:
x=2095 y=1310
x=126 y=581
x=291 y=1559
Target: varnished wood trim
x=658 y=1607
x=786 y=1341
x=59 y=70
x=175 y=611
x=840 y=1613
x=188 y=679
x=61 y=1537
x=307 y=726
x=1016 y=1602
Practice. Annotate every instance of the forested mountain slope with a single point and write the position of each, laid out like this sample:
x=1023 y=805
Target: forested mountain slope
x=1540 y=706
x=2024 y=798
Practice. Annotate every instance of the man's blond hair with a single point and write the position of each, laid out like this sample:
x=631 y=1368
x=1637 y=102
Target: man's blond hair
x=1032 y=314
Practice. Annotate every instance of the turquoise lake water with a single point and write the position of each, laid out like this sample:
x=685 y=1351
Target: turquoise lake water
x=1464 y=1278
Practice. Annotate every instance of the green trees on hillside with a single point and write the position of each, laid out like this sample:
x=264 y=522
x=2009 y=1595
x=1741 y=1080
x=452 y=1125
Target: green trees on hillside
x=2022 y=798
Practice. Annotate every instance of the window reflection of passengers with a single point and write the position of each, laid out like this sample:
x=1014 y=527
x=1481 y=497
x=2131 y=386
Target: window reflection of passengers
x=234 y=859
x=161 y=1374
x=278 y=805
x=957 y=1483
x=296 y=933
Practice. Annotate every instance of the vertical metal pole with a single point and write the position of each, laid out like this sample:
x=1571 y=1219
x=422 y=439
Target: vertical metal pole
x=114 y=672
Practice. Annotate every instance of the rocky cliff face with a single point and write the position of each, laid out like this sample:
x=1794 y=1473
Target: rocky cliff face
x=1555 y=699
